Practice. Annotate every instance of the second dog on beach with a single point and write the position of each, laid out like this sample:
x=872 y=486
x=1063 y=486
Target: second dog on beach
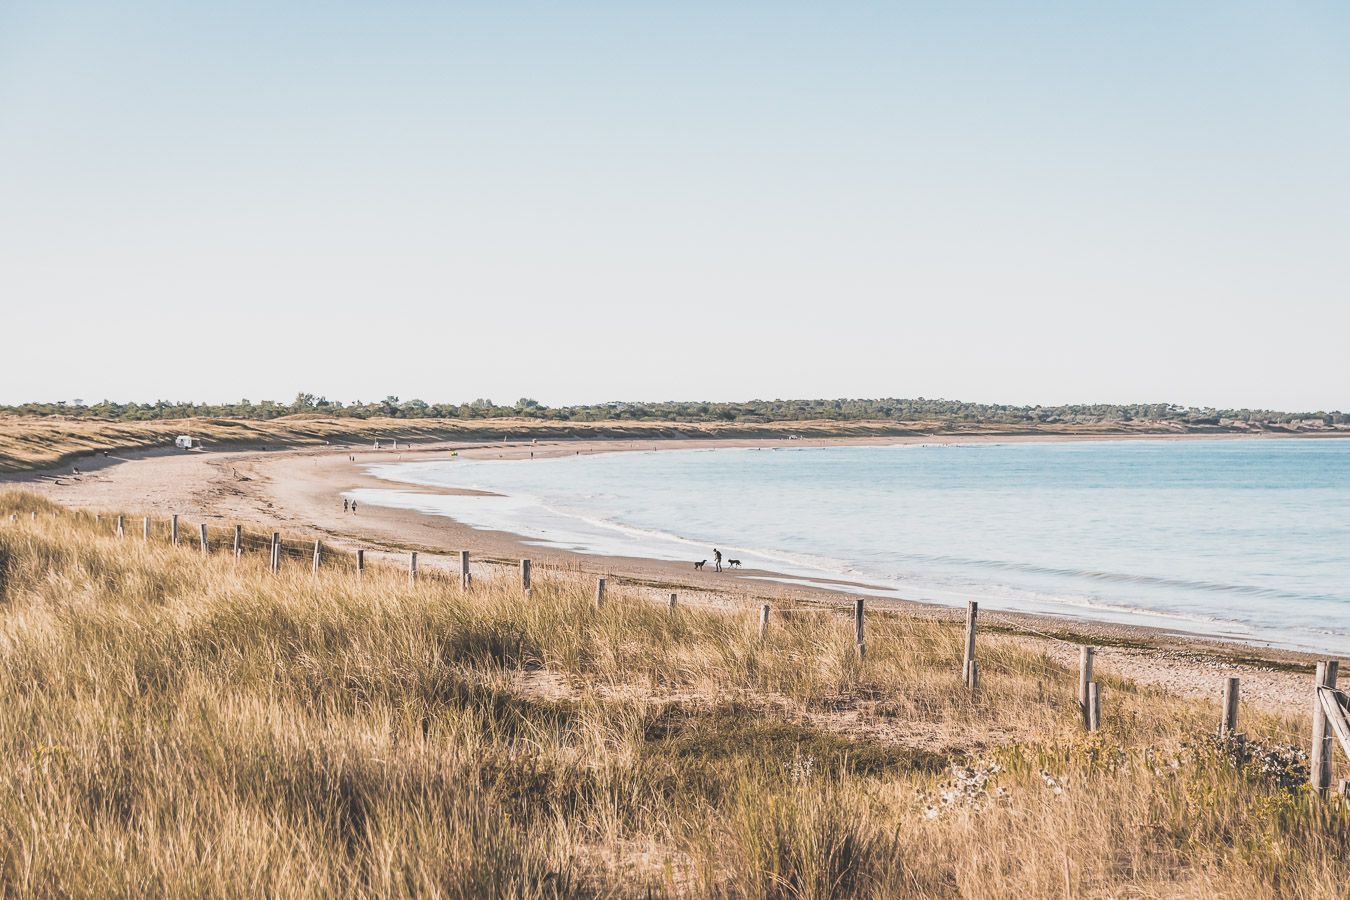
x=734 y=563
x=699 y=565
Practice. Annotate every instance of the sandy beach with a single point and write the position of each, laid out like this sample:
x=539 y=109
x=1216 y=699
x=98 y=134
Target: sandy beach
x=299 y=492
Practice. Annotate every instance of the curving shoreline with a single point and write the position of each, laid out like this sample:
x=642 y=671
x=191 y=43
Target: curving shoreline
x=300 y=491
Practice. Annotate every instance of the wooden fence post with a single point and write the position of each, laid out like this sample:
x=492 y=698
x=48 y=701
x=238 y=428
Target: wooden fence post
x=98 y=518
x=671 y=608
x=1084 y=679
x=206 y=548
x=859 y=637
x=764 y=621
x=525 y=575
x=122 y=526
x=318 y=555
x=145 y=529
x=173 y=530
x=360 y=563
x=600 y=593
x=1319 y=770
x=969 y=670
x=412 y=567
x=238 y=541
x=276 y=552
x=1094 y=706
x=1228 y=724
x=465 y=576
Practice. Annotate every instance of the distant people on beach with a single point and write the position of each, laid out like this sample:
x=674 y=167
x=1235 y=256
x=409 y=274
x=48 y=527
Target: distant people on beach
x=717 y=560
x=353 y=506
x=345 y=504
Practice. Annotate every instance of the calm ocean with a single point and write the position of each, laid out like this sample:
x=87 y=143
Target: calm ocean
x=1248 y=539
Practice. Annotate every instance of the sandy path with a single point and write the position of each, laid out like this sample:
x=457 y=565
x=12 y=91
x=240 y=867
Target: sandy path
x=300 y=491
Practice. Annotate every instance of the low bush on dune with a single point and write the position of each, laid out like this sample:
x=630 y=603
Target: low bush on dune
x=173 y=723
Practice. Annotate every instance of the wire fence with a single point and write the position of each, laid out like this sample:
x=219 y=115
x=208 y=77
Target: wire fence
x=243 y=539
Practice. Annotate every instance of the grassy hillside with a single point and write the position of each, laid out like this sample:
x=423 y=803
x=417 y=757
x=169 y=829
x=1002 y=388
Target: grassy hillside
x=32 y=442
x=194 y=726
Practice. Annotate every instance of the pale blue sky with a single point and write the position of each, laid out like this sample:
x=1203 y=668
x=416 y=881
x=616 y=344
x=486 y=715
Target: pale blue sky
x=1015 y=202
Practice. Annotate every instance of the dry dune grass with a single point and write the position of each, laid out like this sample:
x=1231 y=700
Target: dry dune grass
x=188 y=725
x=31 y=442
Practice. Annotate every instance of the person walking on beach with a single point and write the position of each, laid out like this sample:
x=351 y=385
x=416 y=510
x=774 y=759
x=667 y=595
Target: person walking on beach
x=717 y=560
x=353 y=506
x=344 y=504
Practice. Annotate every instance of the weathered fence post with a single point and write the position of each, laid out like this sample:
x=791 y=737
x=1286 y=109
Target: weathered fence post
x=98 y=518
x=859 y=636
x=206 y=548
x=412 y=567
x=1094 y=706
x=276 y=552
x=525 y=575
x=318 y=554
x=122 y=526
x=145 y=529
x=1084 y=679
x=969 y=670
x=360 y=563
x=600 y=593
x=1319 y=770
x=671 y=608
x=764 y=621
x=238 y=541
x=173 y=530
x=1228 y=724
x=465 y=576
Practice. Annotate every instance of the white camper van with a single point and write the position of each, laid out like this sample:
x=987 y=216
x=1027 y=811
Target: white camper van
x=183 y=442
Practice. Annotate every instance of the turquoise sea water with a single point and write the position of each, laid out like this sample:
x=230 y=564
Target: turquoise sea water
x=1247 y=539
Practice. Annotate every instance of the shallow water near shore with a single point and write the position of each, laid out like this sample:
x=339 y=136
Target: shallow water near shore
x=1244 y=539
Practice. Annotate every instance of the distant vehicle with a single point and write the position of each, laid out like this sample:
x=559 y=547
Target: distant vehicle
x=184 y=442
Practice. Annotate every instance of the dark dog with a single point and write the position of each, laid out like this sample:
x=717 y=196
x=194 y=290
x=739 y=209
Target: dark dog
x=733 y=563
x=699 y=565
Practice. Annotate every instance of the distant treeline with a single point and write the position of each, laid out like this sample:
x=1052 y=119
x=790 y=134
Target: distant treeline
x=913 y=410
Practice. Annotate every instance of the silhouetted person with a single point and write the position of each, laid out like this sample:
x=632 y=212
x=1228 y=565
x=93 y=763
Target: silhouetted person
x=717 y=560
x=345 y=503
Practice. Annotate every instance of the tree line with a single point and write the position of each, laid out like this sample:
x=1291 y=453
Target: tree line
x=840 y=410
